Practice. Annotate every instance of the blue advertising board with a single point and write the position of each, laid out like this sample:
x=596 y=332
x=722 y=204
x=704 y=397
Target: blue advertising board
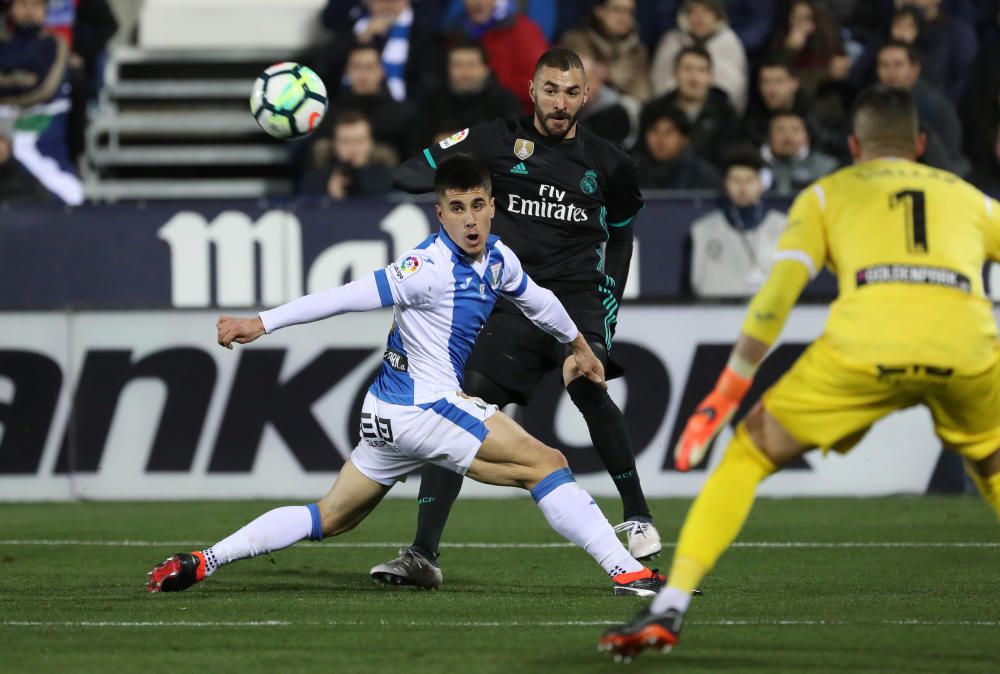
x=250 y=253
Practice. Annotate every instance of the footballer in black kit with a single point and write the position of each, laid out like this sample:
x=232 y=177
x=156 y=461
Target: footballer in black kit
x=565 y=203
x=565 y=206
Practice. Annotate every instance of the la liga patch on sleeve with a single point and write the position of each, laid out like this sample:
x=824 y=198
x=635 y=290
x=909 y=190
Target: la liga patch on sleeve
x=407 y=267
x=454 y=139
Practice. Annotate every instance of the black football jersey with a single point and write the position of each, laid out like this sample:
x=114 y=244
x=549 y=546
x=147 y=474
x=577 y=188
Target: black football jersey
x=555 y=199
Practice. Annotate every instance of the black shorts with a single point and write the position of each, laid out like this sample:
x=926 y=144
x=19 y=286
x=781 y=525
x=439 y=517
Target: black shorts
x=515 y=354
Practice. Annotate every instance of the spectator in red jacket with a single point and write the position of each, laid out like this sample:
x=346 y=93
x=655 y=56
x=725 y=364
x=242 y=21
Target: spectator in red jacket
x=513 y=41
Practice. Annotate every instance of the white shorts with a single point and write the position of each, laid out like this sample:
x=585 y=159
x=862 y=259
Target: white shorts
x=398 y=439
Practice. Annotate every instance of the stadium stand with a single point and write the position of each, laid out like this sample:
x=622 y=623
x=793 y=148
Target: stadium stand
x=174 y=123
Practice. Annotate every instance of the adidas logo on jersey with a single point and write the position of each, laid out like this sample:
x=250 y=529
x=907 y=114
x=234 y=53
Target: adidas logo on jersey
x=519 y=169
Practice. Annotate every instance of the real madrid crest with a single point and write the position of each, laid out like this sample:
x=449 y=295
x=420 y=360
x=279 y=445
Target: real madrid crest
x=523 y=148
x=588 y=184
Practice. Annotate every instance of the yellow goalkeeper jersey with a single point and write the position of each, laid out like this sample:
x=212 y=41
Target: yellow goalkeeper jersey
x=907 y=243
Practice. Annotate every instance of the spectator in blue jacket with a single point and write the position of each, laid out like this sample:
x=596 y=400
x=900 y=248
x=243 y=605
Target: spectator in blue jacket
x=33 y=82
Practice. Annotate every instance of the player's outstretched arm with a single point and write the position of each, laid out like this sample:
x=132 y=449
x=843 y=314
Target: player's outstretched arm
x=367 y=293
x=765 y=318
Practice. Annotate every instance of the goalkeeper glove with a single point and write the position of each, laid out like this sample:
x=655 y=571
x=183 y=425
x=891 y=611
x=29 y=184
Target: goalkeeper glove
x=709 y=418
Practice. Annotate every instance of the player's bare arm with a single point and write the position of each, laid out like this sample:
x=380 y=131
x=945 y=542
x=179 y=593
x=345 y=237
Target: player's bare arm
x=240 y=330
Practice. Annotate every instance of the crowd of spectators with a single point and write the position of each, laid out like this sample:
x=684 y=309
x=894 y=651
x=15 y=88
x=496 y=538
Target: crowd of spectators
x=747 y=98
x=51 y=55
x=677 y=83
x=680 y=83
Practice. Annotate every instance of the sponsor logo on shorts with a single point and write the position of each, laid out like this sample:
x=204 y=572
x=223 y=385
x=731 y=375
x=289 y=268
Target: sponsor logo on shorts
x=454 y=139
x=407 y=267
x=913 y=274
x=914 y=371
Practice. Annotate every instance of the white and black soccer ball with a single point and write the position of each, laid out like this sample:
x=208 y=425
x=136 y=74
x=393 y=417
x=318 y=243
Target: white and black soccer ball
x=288 y=100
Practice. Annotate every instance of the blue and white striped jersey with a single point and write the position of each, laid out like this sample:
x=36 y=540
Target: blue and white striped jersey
x=441 y=300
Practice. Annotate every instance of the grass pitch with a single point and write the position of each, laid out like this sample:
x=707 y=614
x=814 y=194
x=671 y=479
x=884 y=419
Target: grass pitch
x=819 y=585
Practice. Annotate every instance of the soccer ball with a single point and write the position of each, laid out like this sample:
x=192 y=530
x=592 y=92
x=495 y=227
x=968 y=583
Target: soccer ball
x=288 y=100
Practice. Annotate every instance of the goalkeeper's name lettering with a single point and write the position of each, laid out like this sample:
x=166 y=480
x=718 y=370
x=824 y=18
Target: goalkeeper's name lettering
x=545 y=209
x=916 y=274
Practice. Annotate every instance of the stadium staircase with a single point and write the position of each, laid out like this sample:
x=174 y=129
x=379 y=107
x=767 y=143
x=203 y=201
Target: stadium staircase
x=175 y=123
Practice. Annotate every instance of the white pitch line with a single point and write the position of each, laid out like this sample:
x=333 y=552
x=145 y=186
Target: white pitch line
x=150 y=623
x=490 y=623
x=784 y=545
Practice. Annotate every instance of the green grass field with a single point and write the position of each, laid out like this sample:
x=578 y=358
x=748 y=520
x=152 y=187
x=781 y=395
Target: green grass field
x=898 y=585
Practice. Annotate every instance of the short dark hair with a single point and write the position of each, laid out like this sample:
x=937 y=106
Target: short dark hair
x=653 y=113
x=914 y=13
x=911 y=53
x=790 y=113
x=350 y=116
x=743 y=156
x=696 y=50
x=715 y=6
x=461 y=172
x=778 y=61
x=885 y=118
x=363 y=46
x=466 y=42
x=558 y=57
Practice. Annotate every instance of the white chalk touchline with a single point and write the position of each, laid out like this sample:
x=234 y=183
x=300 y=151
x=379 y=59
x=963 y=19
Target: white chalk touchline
x=487 y=623
x=788 y=545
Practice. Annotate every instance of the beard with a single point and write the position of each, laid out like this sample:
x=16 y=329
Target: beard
x=546 y=120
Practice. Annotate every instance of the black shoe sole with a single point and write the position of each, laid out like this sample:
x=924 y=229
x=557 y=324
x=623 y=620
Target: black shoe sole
x=630 y=592
x=383 y=578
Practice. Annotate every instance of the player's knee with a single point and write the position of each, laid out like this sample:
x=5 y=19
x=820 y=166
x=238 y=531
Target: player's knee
x=755 y=426
x=770 y=438
x=547 y=460
x=555 y=459
x=989 y=466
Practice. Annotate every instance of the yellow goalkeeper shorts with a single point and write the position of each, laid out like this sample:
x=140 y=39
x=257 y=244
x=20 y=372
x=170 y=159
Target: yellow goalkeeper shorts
x=829 y=402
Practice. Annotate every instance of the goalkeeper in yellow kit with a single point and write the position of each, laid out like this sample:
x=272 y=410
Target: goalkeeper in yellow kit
x=911 y=325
